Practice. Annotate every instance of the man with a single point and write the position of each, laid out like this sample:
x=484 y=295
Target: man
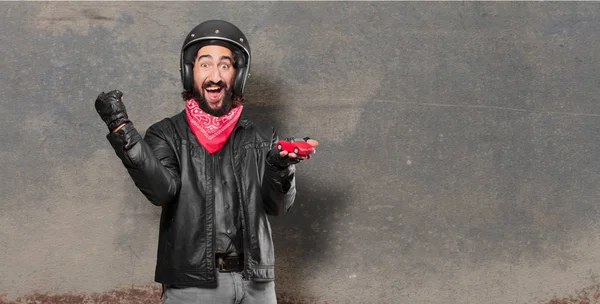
x=215 y=174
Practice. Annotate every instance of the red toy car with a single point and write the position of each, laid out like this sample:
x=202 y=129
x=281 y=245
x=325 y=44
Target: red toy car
x=296 y=145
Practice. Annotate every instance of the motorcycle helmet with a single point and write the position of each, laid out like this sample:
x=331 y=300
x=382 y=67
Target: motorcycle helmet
x=216 y=32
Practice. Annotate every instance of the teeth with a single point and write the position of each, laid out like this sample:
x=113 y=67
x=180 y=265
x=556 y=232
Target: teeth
x=213 y=89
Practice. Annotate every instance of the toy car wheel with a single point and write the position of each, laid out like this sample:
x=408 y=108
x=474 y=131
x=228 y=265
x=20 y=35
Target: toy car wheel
x=279 y=147
x=296 y=150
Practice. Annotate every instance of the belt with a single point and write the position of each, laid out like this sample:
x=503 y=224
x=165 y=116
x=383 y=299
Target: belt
x=229 y=263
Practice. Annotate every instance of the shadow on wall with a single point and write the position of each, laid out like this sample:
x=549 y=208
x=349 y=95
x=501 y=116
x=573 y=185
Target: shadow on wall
x=304 y=235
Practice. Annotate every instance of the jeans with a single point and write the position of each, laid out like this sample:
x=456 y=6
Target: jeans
x=231 y=289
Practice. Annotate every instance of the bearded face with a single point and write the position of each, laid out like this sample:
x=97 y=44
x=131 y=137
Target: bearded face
x=226 y=102
x=213 y=78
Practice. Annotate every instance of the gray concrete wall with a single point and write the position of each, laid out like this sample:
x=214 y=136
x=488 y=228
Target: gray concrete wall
x=458 y=159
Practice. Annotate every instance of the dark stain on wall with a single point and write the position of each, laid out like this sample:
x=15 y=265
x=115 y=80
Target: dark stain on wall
x=149 y=294
x=139 y=294
x=590 y=295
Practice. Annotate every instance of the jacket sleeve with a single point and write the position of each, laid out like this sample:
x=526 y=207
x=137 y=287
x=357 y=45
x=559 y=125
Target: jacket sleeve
x=278 y=186
x=151 y=162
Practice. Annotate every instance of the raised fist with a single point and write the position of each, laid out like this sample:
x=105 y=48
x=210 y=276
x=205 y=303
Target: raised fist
x=111 y=109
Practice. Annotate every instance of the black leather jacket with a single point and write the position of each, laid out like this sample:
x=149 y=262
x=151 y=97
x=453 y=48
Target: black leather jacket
x=175 y=172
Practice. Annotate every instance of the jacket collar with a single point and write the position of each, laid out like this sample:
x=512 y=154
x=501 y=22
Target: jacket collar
x=244 y=122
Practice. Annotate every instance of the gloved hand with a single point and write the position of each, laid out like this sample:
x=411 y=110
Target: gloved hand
x=275 y=159
x=111 y=109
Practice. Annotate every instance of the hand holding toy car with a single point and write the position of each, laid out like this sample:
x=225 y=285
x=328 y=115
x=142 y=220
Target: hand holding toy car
x=291 y=151
x=298 y=146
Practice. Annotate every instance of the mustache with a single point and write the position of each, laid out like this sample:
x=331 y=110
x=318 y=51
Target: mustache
x=209 y=83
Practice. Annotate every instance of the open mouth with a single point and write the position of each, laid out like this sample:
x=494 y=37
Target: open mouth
x=213 y=92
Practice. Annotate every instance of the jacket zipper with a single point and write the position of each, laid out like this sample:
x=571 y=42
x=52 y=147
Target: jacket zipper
x=245 y=238
x=214 y=214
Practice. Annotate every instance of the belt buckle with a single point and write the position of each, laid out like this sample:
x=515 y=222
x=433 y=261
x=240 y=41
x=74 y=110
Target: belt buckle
x=221 y=265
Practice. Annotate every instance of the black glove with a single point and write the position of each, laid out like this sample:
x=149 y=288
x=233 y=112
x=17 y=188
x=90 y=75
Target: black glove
x=111 y=109
x=275 y=160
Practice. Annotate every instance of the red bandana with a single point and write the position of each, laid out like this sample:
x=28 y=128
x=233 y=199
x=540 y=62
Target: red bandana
x=212 y=132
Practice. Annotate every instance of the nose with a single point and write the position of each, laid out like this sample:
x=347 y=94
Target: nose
x=215 y=74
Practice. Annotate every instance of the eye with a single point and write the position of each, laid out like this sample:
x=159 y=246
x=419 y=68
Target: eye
x=203 y=65
x=224 y=66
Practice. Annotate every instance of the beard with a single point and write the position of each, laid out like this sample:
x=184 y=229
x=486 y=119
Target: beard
x=203 y=104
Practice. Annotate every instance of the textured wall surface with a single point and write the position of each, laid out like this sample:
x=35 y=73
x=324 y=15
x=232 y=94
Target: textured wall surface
x=458 y=159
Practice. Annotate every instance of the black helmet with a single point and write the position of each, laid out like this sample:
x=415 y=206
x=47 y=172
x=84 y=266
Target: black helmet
x=221 y=33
